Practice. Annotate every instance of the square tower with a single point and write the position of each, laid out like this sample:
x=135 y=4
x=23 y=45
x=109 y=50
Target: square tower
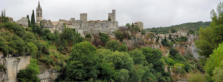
x=112 y=16
x=39 y=13
x=83 y=17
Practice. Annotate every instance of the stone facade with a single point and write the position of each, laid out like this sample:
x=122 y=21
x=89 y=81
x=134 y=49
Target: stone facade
x=23 y=21
x=83 y=26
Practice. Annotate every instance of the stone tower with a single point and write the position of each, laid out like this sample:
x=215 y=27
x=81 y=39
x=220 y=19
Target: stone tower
x=83 y=17
x=112 y=16
x=38 y=13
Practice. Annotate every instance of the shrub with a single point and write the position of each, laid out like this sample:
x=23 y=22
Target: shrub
x=214 y=60
x=196 y=77
x=30 y=73
x=112 y=45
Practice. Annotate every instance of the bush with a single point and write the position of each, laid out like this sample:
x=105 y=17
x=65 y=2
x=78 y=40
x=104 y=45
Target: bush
x=165 y=42
x=212 y=36
x=218 y=74
x=196 y=77
x=121 y=60
x=214 y=60
x=82 y=63
x=137 y=56
x=112 y=45
x=30 y=73
x=2 y=68
x=104 y=37
x=181 y=39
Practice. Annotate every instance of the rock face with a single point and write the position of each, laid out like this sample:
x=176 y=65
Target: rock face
x=48 y=76
x=12 y=66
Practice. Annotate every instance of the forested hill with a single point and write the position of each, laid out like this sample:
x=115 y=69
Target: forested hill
x=194 y=26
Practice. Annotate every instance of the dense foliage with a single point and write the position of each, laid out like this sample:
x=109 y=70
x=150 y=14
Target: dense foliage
x=110 y=65
x=190 y=27
x=109 y=60
x=30 y=73
x=211 y=47
x=210 y=37
x=214 y=61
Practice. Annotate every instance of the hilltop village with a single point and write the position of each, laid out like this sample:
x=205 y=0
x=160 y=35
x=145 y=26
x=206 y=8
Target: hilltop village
x=83 y=25
x=129 y=53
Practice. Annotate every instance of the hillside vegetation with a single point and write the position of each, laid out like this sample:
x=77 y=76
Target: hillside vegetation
x=131 y=55
x=72 y=55
x=190 y=27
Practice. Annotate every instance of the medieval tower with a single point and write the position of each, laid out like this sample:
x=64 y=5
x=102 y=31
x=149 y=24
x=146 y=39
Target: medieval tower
x=38 y=13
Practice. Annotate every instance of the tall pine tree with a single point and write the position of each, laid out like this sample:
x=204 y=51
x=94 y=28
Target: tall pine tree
x=33 y=19
x=29 y=23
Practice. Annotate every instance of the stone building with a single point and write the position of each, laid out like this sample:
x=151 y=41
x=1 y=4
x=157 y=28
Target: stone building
x=139 y=24
x=39 y=15
x=83 y=25
x=23 y=21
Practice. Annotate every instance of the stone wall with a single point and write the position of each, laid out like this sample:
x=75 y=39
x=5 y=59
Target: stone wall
x=83 y=25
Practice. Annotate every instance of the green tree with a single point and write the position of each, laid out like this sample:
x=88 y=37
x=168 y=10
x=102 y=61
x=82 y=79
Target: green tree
x=81 y=63
x=137 y=56
x=153 y=56
x=71 y=36
x=33 y=19
x=218 y=74
x=106 y=69
x=196 y=77
x=29 y=22
x=67 y=38
x=33 y=49
x=215 y=60
x=212 y=36
x=119 y=35
x=165 y=42
x=3 y=17
x=112 y=45
x=173 y=52
x=18 y=45
x=30 y=73
x=123 y=47
x=121 y=60
x=104 y=37
x=122 y=75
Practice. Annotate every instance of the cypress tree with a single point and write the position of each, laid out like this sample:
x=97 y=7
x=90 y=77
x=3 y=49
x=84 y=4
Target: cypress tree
x=33 y=19
x=2 y=16
x=29 y=23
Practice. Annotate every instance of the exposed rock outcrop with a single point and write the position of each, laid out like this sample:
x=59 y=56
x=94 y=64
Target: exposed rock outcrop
x=12 y=66
x=48 y=75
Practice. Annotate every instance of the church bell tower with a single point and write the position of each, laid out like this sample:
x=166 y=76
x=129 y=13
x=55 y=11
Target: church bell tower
x=38 y=13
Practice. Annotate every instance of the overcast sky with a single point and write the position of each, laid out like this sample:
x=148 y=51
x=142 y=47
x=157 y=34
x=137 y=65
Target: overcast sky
x=152 y=13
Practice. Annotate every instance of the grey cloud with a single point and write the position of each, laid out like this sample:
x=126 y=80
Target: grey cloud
x=152 y=12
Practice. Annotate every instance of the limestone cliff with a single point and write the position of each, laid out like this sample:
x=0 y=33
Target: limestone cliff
x=12 y=66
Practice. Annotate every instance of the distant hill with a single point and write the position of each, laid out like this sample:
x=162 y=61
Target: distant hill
x=193 y=26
